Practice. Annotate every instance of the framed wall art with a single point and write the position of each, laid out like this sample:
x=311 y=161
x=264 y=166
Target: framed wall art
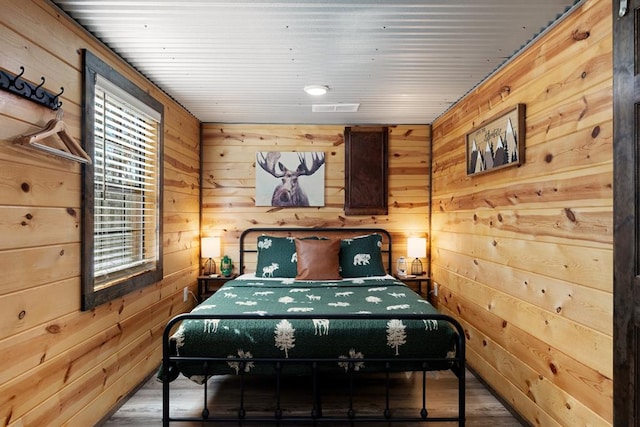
x=497 y=143
x=288 y=179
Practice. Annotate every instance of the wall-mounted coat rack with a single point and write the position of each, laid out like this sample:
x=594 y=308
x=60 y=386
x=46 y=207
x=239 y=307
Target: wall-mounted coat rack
x=69 y=149
x=15 y=84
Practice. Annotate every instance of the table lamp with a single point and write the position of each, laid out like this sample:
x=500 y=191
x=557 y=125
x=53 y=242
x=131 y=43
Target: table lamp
x=417 y=248
x=210 y=249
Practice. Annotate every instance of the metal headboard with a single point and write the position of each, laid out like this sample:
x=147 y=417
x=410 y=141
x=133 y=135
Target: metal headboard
x=249 y=246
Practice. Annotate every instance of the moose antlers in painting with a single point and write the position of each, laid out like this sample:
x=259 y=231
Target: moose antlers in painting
x=289 y=192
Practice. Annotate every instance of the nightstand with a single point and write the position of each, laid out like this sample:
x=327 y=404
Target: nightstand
x=208 y=285
x=418 y=281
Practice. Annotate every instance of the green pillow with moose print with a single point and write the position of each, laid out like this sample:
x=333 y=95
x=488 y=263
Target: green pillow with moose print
x=277 y=257
x=361 y=256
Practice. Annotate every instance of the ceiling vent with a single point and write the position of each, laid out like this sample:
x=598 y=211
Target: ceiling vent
x=335 y=108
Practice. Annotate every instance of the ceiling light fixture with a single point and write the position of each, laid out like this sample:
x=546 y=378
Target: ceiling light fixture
x=316 y=90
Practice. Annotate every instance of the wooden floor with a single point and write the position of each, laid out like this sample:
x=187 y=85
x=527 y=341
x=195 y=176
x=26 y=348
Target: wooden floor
x=144 y=408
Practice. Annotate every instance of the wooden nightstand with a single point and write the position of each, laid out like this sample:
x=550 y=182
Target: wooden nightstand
x=417 y=280
x=208 y=285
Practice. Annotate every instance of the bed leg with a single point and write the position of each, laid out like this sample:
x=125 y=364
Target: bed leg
x=316 y=411
x=424 y=413
x=165 y=393
x=278 y=412
x=461 y=377
x=387 y=411
x=241 y=411
x=166 y=410
x=351 y=413
x=205 y=408
x=461 y=397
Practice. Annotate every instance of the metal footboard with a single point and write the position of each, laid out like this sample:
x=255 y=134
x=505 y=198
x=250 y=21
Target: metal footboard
x=351 y=413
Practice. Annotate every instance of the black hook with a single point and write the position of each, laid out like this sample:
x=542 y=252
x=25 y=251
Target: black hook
x=35 y=90
x=56 y=102
x=14 y=82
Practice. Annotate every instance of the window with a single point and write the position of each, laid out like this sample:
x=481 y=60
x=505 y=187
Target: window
x=122 y=198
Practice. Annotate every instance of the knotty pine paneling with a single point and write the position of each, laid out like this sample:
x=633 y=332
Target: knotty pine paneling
x=524 y=256
x=228 y=181
x=55 y=263
x=497 y=341
x=70 y=367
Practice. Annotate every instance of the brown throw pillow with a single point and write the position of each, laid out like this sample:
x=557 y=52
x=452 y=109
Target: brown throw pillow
x=318 y=259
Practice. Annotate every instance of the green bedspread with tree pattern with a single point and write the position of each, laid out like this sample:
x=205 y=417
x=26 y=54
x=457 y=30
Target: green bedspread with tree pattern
x=317 y=336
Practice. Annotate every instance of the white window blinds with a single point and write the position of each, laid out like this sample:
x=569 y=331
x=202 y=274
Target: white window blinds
x=126 y=187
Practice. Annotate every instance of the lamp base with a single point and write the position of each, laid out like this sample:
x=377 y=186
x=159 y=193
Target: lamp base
x=416 y=267
x=209 y=267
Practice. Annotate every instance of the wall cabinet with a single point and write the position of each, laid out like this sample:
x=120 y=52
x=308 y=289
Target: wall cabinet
x=366 y=170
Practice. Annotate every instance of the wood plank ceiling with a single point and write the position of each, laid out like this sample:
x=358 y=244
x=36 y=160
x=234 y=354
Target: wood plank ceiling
x=403 y=62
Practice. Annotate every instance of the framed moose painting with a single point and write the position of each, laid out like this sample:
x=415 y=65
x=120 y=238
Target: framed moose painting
x=289 y=178
x=498 y=143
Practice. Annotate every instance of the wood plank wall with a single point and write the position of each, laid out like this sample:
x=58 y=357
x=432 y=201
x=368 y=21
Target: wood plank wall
x=523 y=256
x=61 y=365
x=228 y=181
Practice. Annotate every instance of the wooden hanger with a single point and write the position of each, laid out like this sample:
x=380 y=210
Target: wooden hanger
x=69 y=149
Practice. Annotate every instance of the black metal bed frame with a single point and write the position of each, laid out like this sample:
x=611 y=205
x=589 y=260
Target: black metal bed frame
x=315 y=413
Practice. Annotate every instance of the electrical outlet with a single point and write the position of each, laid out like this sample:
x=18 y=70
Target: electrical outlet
x=185 y=294
x=435 y=289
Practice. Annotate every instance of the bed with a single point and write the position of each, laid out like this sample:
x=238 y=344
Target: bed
x=317 y=303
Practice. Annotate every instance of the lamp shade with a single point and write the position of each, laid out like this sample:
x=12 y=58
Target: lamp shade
x=417 y=247
x=210 y=247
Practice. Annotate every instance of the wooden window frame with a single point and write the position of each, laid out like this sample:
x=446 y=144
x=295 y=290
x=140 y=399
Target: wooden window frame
x=96 y=294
